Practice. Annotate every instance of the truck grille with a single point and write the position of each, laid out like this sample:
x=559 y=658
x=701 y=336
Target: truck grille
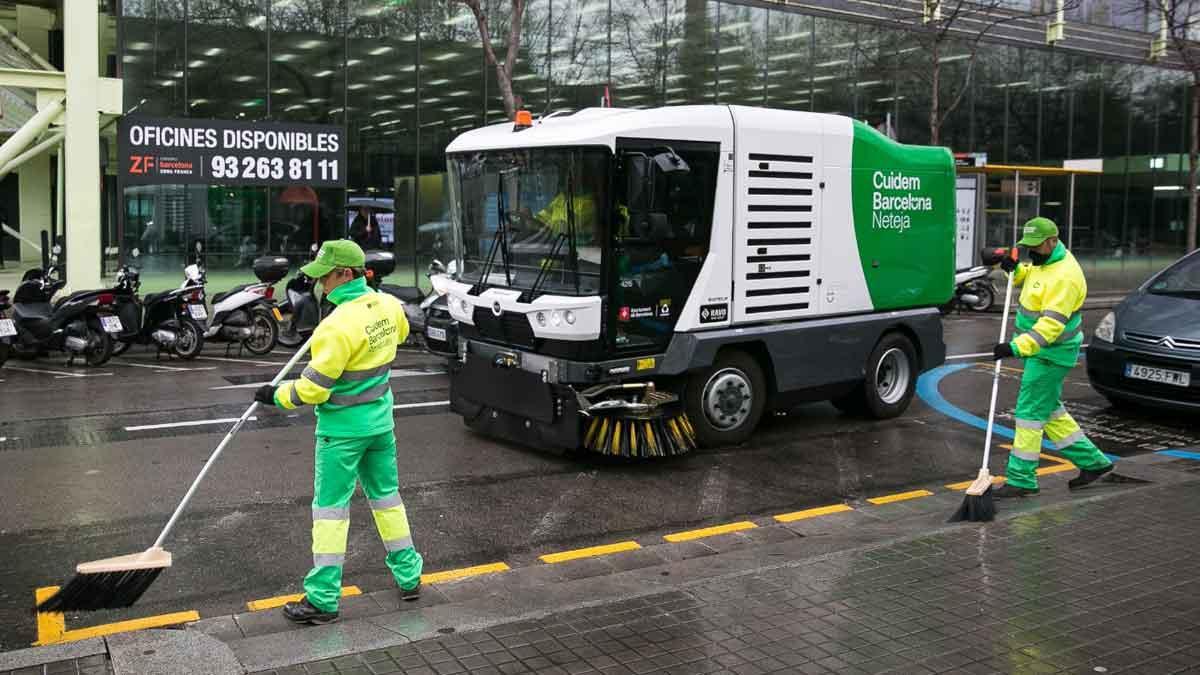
x=509 y=328
x=1164 y=341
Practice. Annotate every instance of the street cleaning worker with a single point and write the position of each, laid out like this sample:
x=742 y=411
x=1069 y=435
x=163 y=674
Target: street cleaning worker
x=348 y=381
x=1050 y=328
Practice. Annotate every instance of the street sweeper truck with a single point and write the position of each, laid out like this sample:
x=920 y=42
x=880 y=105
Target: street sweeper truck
x=640 y=282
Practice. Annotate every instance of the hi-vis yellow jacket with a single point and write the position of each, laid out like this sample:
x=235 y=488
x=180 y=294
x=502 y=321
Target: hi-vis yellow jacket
x=348 y=378
x=1048 y=316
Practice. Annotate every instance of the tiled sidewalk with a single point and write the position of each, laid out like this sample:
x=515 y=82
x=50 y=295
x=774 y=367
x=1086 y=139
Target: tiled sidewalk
x=1102 y=586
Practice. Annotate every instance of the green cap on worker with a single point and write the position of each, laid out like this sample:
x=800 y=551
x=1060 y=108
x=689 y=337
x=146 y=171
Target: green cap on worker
x=335 y=253
x=1036 y=231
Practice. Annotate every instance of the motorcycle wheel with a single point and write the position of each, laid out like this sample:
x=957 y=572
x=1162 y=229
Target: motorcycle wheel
x=100 y=344
x=3 y=352
x=288 y=335
x=120 y=347
x=189 y=339
x=265 y=332
x=985 y=295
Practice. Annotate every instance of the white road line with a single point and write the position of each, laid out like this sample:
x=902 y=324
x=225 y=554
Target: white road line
x=396 y=373
x=427 y=404
x=193 y=423
x=158 y=367
x=59 y=373
x=979 y=355
x=250 y=361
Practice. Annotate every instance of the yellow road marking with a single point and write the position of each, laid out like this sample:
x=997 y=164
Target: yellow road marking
x=812 y=513
x=1057 y=468
x=710 y=531
x=996 y=480
x=900 y=497
x=451 y=575
x=160 y=621
x=50 y=625
x=590 y=552
x=280 y=601
x=1056 y=460
x=1005 y=446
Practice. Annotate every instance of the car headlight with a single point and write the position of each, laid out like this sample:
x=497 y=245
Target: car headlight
x=1107 y=330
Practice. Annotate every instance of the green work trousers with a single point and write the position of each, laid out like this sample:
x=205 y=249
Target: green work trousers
x=1040 y=410
x=340 y=464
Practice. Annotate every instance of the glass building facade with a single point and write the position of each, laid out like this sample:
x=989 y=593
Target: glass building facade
x=404 y=78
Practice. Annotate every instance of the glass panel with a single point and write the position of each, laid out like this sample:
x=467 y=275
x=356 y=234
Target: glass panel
x=833 y=72
x=691 y=56
x=789 y=57
x=579 y=53
x=638 y=50
x=742 y=53
x=152 y=60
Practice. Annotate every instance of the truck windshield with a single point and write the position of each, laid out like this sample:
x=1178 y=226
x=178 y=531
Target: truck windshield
x=532 y=219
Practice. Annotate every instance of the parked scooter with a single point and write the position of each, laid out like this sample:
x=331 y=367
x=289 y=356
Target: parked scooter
x=379 y=264
x=300 y=308
x=441 y=330
x=167 y=320
x=244 y=315
x=78 y=324
x=7 y=327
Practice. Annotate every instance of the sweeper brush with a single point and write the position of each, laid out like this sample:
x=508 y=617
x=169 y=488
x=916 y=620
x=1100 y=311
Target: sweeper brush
x=635 y=420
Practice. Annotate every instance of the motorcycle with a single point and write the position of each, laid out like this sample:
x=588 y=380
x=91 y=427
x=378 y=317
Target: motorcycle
x=244 y=314
x=167 y=320
x=78 y=324
x=300 y=308
x=973 y=288
x=7 y=328
x=441 y=330
x=379 y=264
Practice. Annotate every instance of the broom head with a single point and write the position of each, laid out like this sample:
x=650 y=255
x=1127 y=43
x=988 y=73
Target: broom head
x=636 y=420
x=111 y=583
x=978 y=505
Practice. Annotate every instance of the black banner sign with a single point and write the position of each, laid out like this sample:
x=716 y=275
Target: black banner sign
x=225 y=152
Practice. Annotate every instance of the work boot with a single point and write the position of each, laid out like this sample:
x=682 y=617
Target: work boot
x=303 y=612
x=411 y=594
x=1007 y=491
x=1087 y=477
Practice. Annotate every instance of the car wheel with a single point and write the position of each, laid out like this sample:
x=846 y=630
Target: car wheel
x=725 y=401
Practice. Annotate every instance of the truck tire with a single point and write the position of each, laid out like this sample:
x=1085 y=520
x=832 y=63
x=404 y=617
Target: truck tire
x=725 y=401
x=891 y=377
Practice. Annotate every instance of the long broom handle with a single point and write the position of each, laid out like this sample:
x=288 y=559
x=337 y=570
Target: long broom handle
x=237 y=426
x=987 y=443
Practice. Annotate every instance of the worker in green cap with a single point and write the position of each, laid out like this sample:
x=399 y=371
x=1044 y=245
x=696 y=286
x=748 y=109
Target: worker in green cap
x=1050 y=332
x=347 y=380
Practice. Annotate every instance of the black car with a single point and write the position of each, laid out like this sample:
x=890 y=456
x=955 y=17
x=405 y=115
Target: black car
x=1147 y=351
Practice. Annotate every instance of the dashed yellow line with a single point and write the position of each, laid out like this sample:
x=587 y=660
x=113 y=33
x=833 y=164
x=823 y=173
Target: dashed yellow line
x=710 y=531
x=959 y=487
x=453 y=575
x=52 y=626
x=812 y=513
x=900 y=497
x=590 y=552
x=1057 y=468
x=281 y=600
x=1056 y=460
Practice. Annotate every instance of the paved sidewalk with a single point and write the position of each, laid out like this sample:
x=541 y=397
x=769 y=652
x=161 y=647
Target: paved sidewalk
x=1105 y=586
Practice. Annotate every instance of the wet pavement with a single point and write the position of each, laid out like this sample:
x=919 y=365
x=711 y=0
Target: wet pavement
x=95 y=460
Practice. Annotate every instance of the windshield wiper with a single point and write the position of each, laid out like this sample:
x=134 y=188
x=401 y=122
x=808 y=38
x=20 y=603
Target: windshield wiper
x=568 y=236
x=499 y=243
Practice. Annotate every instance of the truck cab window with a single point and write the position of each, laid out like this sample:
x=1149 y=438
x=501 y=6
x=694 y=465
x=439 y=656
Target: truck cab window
x=662 y=221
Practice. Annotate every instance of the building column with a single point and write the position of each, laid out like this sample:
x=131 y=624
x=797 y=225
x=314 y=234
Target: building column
x=82 y=147
x=33 y=28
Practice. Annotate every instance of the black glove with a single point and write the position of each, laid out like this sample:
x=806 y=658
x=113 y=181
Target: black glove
x=1008 y=264
x=265 y=394
x=1003 y=350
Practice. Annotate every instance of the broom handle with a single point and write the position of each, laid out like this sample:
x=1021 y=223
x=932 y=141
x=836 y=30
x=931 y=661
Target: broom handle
x=237 y=426
x=987 y=442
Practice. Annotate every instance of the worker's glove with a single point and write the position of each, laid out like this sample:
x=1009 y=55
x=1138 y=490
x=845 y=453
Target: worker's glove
x=265 y=394
x=1008 y=264
x=1003 y=350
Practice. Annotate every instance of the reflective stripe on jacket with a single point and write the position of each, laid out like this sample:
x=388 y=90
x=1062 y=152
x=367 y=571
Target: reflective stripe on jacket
x=1049 y=321
x=348 y=378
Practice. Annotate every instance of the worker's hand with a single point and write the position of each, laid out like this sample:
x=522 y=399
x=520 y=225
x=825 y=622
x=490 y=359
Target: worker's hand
x=265 y=394
x=1003 y=350
x=1008 y=264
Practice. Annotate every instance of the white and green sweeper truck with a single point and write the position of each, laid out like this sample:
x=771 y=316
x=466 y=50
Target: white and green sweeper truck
x=639 y=282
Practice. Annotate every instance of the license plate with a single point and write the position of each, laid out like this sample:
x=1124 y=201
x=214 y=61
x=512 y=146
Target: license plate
x=198 y=312
x=1178 y=378
x=435 y=333
x=111 y=324
x=277 y=313
x=7 y=328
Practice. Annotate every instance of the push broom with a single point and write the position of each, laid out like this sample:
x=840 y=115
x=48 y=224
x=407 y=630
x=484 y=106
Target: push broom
x=118 y=582
x=978 y=505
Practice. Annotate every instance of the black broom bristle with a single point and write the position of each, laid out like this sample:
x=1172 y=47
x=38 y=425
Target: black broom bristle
x=976 y=508
x=101 y=590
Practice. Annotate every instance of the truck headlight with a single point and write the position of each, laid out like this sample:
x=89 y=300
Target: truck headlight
x=541 y=319
x=465 y=307
x=556 y=317
x=569 y=317
x=1107 y=329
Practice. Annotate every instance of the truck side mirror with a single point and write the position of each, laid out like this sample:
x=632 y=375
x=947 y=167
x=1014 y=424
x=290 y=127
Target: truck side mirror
x=668 y=162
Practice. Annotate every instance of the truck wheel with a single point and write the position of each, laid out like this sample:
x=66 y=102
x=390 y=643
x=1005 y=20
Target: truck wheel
x=891 y=377
x=726 y=401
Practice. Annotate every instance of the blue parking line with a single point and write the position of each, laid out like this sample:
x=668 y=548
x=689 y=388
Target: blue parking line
x=928 y=389
x=1182 y=454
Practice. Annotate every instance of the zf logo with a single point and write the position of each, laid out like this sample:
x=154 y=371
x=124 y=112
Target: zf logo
x=714 y=313
x=141 y=164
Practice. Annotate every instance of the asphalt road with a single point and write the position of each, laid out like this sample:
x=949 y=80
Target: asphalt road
x=95 y=461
